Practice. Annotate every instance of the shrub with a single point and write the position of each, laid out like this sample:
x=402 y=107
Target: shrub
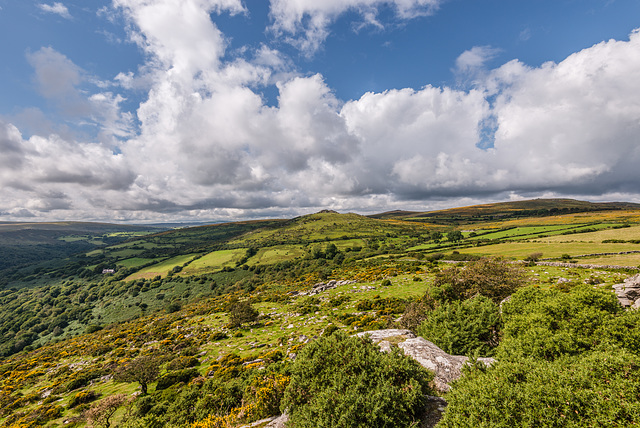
x=340 y=381
x=550 y=323
x=595 y=389
x=219 y=335
x=470 y=327
x=490 y=277
x=413 y=315
x=174 y=377
x=182 y=362
x=82 y=397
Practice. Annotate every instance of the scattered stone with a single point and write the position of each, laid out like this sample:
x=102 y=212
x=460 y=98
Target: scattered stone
x=434 y=412
x=322 y=286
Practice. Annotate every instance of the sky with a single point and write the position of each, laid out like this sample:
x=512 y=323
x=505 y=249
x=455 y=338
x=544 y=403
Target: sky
x=216 y=110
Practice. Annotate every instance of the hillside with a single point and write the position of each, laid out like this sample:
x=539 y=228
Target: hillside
x=222 y=309
x=33 y=245
x=507 y=210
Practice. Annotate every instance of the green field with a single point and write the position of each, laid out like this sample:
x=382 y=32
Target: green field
x=162 y=268
x=276 y=254
x=520 y=250
x=213 y=261
x=135 y=262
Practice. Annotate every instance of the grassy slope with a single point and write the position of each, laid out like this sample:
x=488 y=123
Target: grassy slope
x=283 y=326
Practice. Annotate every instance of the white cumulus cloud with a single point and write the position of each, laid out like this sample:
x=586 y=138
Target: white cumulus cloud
x=305 y=23
x=204 y=142
x=56 y=8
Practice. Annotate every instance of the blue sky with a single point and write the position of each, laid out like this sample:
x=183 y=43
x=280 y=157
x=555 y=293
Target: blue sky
x=152 y=110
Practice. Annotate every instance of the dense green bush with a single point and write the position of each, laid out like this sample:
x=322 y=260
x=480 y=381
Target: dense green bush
x=597 y=389
x=470 y=327
x=173 y=377
x=340 y=381
x=549 y=323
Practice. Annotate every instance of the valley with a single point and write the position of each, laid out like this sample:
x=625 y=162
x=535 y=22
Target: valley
x=219 y=312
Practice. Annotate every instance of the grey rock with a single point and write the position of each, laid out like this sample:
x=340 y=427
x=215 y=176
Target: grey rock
x=279 y=422
x=435 y=410
x=446 y=367
x=628 y=292
x=379 y=335
x=385 y=346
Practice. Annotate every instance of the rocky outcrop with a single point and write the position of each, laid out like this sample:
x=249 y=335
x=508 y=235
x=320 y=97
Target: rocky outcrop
x=628 y=292
x=446 y=367
x=322 y=286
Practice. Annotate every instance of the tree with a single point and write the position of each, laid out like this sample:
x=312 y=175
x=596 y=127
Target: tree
x=143 y=369
x=455 y=236
x=331 y=251
x=436 y=236
x=101 y=412
x=241 y=312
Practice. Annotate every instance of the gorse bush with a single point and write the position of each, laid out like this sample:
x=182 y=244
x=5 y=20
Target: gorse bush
x=597 y=389
x=340 y=381
x=470 y=327
x=550 y=323
x=567 y=359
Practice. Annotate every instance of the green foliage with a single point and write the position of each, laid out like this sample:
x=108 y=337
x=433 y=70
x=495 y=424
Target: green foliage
x=241 y=312
x=173 y=377
x=143 y=369
x=549 y=323
x=470 y=327
x=454 y=236
x=340 y=381
x=182 y=362
x=490 y=277
x=413 y=315
x=598 y=389
x=83 y=397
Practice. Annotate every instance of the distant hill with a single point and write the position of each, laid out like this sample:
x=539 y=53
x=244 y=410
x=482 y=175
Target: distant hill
x=515 y=209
